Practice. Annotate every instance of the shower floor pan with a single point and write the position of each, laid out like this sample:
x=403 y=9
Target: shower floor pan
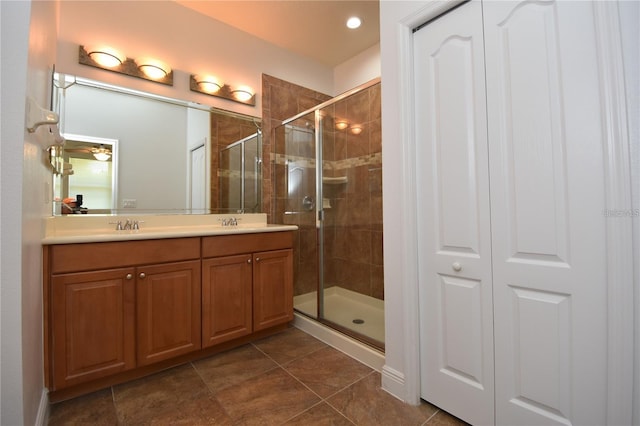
x=348 y=309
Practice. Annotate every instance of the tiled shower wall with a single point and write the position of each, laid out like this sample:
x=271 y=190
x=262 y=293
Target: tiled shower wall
x=353 y=224
x=225 y=130
x=353 y=204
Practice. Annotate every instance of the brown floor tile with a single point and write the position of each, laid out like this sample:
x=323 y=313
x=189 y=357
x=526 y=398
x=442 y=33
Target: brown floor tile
x=289 y=345
x=327 y=371
x=442 y=418
x=232 y=367
x=96 y=408
x=268 y=399
x=176 y=396
x=320 y=415
x=365 y=403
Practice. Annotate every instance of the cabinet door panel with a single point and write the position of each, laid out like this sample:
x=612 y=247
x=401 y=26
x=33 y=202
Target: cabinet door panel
x=168 y=314
x=226 y=298
x=272 y=288
x=93 y=325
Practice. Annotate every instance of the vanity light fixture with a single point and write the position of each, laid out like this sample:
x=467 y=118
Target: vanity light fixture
x=106 y=56
x=341 y=124
x=356 y=129
x=208 y=83
x=111 y=60
x=153 y=68
x=214 y=87
x=243 y=93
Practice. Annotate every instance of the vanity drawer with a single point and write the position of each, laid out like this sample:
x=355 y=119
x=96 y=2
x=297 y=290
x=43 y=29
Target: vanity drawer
x=92 y=256
x=225 y=245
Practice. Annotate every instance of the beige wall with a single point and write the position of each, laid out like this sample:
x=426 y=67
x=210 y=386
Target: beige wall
x=187 y=41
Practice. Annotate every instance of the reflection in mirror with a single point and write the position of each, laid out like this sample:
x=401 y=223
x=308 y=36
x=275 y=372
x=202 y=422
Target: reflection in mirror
x=89 y=173
x=167 y=152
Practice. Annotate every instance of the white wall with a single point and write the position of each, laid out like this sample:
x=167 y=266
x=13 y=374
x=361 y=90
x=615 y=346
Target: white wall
x=358 y=70
x=28 y=51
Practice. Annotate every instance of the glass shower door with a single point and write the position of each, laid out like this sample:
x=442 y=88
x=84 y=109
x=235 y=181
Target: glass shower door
x=328 y=173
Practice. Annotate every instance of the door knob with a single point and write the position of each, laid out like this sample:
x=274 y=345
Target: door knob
x=456 y=266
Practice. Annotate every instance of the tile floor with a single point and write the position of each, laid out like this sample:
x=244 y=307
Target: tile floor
x=290 y=378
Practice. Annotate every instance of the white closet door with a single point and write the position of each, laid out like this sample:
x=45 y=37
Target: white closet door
x=547 y=202
x=453 y=206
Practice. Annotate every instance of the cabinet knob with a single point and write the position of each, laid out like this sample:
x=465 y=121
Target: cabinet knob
x=248 y=260
x=456 y=266
x=129 y=276
x=142 y=275
x=257 y=259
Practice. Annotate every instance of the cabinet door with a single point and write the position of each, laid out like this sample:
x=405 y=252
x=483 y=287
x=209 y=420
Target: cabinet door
x=272 y=288
x=93 y=316
x=168 y=310
x=226 y=298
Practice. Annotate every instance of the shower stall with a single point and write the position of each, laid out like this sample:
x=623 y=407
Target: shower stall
x=328 y=182
x=239 y=171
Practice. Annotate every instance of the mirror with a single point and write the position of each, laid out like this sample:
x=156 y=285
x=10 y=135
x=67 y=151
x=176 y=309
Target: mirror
x=164 y=154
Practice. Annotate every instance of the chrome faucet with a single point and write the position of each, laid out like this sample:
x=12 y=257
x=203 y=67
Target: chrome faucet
x=231 y=221
x=128 y=225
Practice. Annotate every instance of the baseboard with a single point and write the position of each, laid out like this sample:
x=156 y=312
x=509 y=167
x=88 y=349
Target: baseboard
x=356 y=350
x=393 y=383
x=43 y=409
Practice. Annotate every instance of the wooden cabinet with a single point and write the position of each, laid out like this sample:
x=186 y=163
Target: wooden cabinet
x=92 y=324
x=247 y=284
x=226 y=298
x=133 y=307
x=272 y=288
x=105 y=319
x=167 y=310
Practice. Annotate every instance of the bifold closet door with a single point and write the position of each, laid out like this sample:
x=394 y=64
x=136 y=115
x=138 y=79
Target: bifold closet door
x=456 y=324
x=546 y=151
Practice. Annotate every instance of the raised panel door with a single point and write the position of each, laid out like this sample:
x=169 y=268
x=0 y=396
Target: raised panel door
x=454 y=242
x=226 y=298
x=272 y=288
x=547 y=171
x=168 y=310
x=93 y=322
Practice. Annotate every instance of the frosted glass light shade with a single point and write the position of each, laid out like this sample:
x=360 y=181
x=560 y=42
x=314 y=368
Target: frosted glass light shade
x=106 y=56
x=153 y=68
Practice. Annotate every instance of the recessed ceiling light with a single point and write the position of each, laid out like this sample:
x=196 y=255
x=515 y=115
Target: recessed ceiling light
x=354 y=22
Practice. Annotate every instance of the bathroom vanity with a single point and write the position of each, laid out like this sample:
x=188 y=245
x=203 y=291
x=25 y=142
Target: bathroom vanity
x=121 y=304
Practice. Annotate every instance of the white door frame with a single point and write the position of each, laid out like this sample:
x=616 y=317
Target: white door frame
x=400 y=375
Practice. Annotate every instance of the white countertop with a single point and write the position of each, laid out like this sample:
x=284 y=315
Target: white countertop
x=98 y=228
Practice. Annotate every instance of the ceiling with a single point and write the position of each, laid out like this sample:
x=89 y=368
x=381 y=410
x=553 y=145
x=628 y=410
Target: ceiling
x=315 y=29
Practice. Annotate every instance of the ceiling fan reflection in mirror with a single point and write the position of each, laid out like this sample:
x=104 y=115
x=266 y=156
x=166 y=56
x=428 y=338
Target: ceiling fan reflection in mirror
x=99 y=152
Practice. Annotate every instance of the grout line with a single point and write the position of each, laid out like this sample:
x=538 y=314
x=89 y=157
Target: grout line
x=431 y=417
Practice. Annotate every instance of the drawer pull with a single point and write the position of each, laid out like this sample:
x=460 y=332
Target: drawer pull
x=129 y=276
x=142 y=275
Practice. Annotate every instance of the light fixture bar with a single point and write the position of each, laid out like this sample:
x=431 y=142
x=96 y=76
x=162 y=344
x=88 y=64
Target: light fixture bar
x=240 y=95
x=129 y=67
